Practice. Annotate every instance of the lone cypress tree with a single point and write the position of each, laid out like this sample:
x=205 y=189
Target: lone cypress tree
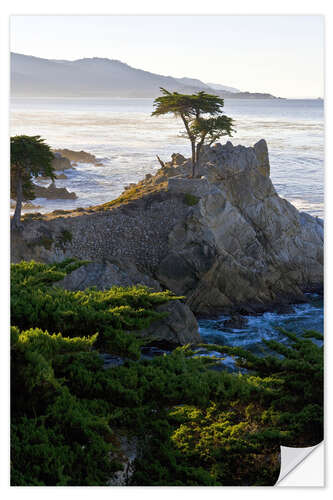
x=202 y=116
x=29 y=157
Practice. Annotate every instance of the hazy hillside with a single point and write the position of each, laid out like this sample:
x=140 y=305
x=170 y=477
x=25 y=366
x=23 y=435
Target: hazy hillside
x=95 y=77
x=218 y=86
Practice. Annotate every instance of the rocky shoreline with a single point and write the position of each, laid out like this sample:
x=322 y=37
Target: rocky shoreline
x=64 y=159
x=225 y=240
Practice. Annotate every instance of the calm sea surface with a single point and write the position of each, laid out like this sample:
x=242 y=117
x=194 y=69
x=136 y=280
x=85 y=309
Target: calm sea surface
x=127 y=138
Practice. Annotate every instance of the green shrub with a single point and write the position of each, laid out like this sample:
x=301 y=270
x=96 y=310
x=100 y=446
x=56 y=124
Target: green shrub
x=190 y=199
x=116 y=313
x=55 y=438
x=194 y=424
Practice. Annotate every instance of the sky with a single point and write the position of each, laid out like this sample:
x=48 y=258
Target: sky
x=281 y=55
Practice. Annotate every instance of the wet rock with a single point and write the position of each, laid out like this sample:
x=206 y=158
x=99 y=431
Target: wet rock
x=59 y=162
x=78 y=156
x=236 y=321
x=53 y=193
x=110 y=361
x=284 y=309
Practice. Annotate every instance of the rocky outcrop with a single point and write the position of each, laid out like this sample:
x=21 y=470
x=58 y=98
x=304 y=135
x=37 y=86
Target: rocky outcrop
x=225 y=240
x=51 y=192
x=242 y=245
x=178 y=327
x=104 y=275
x=59 y=162
x=78 y=156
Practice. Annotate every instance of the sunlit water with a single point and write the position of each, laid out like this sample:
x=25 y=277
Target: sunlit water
x=126 y=137
x=123 y=133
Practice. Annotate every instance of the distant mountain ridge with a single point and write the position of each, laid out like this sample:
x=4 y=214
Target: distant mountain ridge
x=218 y=86
x=101 y=77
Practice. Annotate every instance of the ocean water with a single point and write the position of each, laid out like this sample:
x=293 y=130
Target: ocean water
x=124 y=135
x=266 y=326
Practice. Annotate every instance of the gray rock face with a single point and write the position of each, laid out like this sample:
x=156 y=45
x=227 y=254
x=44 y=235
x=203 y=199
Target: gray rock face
x=241 y=245
x=104 y=275
x=235 y=245
x=179 y=327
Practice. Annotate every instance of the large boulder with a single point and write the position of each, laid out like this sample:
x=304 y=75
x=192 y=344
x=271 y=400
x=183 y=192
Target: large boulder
x=178 y=327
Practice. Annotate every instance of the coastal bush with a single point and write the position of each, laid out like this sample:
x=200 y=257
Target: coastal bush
x=235 y=435
x=116 y=313
x=55 y=438
x=194 y=423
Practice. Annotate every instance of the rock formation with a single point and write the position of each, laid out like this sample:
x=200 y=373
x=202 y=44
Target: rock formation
x=78 y=156
x=59 y=162
x=51 y=192
x=224 y=240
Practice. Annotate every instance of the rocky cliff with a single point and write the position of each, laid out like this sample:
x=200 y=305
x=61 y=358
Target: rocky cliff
x=225 y=239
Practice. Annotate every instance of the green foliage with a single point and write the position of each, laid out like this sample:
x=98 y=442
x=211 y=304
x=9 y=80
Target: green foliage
x=194 y=424
x=295 y=373
x=29 y=158
x=117 y=314
x=186 y=104
x=201 y=114
x=190 y=199
x=209 y=130
x=55 y=438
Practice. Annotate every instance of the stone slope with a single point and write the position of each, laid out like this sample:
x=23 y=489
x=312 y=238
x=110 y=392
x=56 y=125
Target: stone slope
x=225 y=240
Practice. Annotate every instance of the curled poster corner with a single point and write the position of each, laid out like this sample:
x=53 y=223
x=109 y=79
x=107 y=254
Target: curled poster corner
x=292 y=457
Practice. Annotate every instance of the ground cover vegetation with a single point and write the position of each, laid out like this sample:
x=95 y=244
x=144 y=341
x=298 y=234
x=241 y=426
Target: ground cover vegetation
x=193 y=422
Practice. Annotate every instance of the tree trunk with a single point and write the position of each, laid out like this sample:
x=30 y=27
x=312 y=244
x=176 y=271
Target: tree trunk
x=18 y=208
x=160 y=161
x=192 y=139
x=193 y=159
x=198 y=151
